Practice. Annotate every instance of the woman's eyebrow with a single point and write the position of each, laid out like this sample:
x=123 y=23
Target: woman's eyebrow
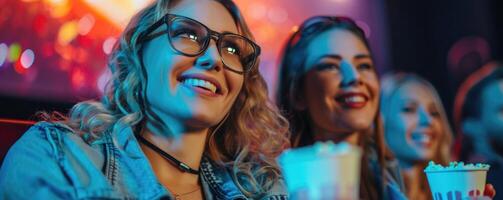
x=331 y=56
x=361 y=56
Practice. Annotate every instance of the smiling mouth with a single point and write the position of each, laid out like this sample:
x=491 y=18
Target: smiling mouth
x=422 y=139
x=352 y=100
x=199 y=83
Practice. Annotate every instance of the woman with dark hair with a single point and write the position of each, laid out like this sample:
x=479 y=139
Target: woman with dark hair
x=329 y=91
x=185 y=116
x=478 y=120
x=416 y=128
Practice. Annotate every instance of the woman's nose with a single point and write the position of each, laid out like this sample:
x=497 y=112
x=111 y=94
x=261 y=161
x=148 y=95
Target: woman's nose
x=210 y=58
x=425 y=117
x=350 y=75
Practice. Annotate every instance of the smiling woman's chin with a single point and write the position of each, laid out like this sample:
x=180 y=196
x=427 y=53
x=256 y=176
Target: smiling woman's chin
x=359 y=124
x=203 y=121
x=424 y=155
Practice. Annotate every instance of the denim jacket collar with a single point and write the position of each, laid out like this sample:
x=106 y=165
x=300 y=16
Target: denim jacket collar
x=219 y=180
x=216 y=177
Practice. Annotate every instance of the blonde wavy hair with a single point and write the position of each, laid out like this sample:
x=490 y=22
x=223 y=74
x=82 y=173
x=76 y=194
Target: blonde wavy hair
x=247 y=141
x=390 y=83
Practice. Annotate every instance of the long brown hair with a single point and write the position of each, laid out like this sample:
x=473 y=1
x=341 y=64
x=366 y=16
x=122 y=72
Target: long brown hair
x=291 y=82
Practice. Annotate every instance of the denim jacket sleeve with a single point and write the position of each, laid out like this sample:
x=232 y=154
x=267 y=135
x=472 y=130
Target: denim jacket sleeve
x=31 y=171
x=40 y=165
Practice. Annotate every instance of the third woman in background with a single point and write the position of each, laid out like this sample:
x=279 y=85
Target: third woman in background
x=416 y=128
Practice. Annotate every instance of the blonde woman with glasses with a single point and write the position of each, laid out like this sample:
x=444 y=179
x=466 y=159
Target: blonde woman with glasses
x=185 y=116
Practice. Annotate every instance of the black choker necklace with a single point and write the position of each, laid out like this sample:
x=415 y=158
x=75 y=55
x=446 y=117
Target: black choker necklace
x=182 y=166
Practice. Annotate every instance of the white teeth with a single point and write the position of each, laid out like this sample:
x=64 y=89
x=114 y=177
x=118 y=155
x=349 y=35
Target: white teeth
x=426 y=138
x=354 y=99
x=423 y=138
x=200 y=83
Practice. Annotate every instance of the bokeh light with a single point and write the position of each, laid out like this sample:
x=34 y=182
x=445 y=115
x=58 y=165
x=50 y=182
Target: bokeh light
x=67 y=32
x=19 y=68
x=66 y=52
x=40 y=25
x=85 y=24
x=27 y=58
x=4 y=50
x=103 y=80
x=78 y=78
x=14 y=52
x=60 y=8
x=295 y=29
x=108 y=45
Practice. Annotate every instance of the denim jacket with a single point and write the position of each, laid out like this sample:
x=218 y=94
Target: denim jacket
x=50 y=162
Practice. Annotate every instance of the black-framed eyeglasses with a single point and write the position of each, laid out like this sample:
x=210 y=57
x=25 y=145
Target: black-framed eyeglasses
x=191 y=38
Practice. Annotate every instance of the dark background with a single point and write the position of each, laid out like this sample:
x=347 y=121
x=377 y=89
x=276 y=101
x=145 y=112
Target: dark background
x=422 y=33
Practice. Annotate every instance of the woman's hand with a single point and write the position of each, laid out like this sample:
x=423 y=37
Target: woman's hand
x=489 y=191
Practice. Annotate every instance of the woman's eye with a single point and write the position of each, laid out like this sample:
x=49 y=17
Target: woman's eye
x=365 y=66
x=186 y=34
x=231 y=48
x=409 y=109
x=435 y=114
x=190 y=36
x=326 y=66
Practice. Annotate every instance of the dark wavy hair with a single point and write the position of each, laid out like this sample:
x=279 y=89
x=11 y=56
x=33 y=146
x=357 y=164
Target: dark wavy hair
x=291 y=81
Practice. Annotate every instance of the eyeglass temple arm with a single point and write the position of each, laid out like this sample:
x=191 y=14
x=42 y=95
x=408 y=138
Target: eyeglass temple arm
x=145 y=35
x=147 y=38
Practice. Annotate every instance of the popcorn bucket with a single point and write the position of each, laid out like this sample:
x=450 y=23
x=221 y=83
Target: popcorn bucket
x=457 y=182
x=322 y=171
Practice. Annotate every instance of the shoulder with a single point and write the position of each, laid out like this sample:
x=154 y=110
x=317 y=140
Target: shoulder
x=50 y=160
x=43 y=142
x=39 y=138
x=32 y=162
x=51 y=143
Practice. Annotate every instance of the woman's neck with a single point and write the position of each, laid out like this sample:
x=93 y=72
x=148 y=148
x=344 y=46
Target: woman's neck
x=187 y=147
x=412 y=173
x=324 y=135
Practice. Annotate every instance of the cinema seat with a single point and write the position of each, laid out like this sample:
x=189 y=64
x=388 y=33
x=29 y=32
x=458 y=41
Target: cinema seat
x=10 y=131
